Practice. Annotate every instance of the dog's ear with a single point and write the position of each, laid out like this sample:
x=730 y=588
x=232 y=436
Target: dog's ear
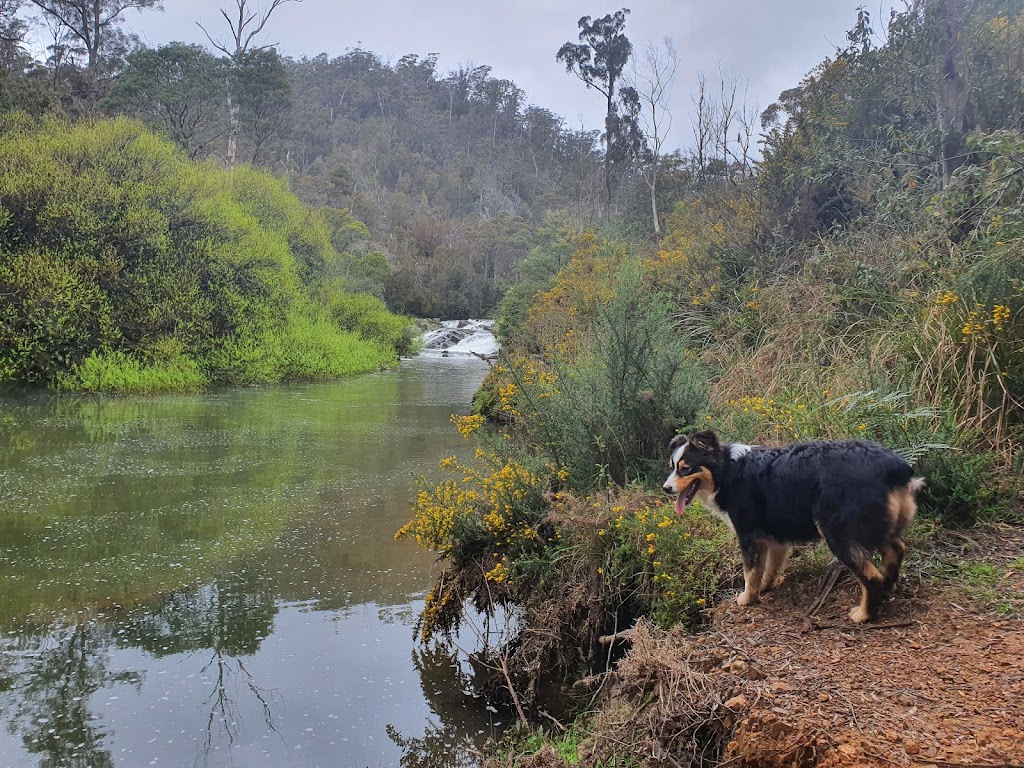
x=706 y=441
x=676 y=442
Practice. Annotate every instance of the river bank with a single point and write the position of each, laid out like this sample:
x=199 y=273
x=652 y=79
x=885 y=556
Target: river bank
x=790 y=682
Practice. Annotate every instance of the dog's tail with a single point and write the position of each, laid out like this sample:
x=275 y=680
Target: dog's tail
x=903 y=504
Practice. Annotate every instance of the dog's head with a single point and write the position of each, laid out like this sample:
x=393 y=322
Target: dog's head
x=692 y=463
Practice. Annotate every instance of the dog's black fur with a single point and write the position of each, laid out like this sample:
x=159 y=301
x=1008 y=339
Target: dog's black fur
x=856 y=494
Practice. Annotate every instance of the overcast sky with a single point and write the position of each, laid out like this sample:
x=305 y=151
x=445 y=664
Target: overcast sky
x=770 y=44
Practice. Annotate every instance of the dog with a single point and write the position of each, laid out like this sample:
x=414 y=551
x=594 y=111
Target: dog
x=857 y=495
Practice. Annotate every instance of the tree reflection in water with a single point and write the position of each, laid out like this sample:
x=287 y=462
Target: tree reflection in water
x=63 y=670
x=52 y=675
x=453 y=695
x=229 y=617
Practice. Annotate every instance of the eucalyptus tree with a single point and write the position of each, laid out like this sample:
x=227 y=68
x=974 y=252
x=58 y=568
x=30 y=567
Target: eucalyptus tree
x=12 y=28
x=246 y=22
x=177 y=89
x=95 y=26
x=599 y=60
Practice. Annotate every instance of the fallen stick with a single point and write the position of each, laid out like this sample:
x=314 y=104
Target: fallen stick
x=624 y=636
x=830 y=581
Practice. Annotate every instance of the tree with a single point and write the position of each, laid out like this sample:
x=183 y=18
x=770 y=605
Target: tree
x=650 y=86
x=724 y=129
x=263 y=96
x=244 y=30
x=95 y=25
x=12 y=29
x=176 y=89
x=599 y=60
x=953 y=90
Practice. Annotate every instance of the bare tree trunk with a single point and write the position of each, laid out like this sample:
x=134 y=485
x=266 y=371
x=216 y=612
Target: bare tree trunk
x=953 y=90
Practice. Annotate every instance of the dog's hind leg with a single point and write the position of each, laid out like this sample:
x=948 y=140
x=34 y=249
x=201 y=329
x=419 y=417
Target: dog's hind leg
x=901 y=508
x=755 y=553
x=872 y=583
x=892 y=559
x=774 y=562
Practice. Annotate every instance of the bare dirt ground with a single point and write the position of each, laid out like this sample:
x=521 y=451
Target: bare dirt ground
x=936 y=681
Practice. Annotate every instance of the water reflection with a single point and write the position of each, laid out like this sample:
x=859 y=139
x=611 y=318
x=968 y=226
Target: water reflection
x=62 y=671
x=213 y=579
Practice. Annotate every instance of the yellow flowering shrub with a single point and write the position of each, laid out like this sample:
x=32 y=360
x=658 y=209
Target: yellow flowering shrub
x=634 y=544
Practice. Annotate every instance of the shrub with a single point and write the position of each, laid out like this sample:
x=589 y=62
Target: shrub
x=369 y=317
x=606 y=405
x=122 y=374
x=114 y=244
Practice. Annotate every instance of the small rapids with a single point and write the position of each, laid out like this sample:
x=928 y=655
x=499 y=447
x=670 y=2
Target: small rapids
x=461 y=337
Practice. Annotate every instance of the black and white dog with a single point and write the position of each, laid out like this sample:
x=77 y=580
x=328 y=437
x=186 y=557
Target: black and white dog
x=855 y=494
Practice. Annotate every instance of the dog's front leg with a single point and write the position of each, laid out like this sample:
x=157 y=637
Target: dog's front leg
x=754 y=553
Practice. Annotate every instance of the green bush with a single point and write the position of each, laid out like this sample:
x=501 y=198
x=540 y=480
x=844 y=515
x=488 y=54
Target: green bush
x=115 y=245
x=125 y=375
x=307 y=347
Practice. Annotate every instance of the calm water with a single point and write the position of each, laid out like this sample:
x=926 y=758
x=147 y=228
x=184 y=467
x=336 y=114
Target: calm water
x=213 y=580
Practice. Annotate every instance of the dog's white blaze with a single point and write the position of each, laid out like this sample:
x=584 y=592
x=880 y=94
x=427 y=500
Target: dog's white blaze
x=736 y=450
x=676 y=456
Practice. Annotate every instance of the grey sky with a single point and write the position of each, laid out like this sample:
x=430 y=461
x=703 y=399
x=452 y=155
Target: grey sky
x=770 y=43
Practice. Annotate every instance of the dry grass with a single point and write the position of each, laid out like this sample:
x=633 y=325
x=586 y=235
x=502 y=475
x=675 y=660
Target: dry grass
x=671 y=692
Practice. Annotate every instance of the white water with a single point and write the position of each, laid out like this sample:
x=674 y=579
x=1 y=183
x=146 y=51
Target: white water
x=461 y=337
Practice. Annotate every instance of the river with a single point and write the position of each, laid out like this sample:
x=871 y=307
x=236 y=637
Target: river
x=212 y=579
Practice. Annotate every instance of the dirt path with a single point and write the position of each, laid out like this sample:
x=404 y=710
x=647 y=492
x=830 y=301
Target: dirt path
x=934 y=683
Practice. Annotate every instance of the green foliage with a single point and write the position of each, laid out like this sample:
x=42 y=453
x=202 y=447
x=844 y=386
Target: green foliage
x=306 y=347
x=118 y=373
x=51 y=315
x=114 y=244
x=559 y=238
x=678 y=563
x=607 y=411
x=368 y=317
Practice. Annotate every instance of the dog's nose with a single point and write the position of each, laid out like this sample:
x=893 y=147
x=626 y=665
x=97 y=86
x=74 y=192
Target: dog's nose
x=668 y=488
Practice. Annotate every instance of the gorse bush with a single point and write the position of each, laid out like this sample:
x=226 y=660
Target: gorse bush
x=112 y=243
x=606 y=405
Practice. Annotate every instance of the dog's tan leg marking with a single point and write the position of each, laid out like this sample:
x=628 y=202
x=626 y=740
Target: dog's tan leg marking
x=751 y=582
x=774 y=562
x=892 y=559
x=871 y=590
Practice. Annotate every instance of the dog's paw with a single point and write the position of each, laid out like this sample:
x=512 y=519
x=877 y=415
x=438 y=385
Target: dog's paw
x=858 y=615
x=746 y=598
x=773 y=584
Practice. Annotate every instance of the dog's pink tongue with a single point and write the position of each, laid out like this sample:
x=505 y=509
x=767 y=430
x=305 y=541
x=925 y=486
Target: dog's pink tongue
x=680 y=504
